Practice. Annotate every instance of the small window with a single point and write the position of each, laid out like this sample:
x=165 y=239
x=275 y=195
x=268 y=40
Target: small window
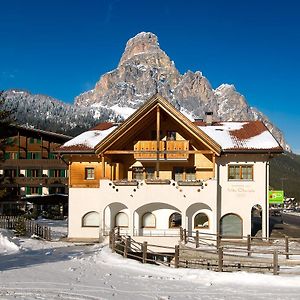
x=121 y=220
x=89 y=173
x=171 y=135
x=190 y=174
x=240 y=172
x=138 y=173
x=175 y=220
x=148 y=220
x=178 y=174
x=150 y=173
x=91 y=219
x=201 y=221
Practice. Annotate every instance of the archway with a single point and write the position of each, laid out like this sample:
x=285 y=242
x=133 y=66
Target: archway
x=231 y=226
x=256 y=219
x=195 y=209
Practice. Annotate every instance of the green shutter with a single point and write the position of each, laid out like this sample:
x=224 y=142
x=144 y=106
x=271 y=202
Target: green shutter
x=40 y=190
x=28 y=156
x=28 y=190
x=38 y=140
x=51 y=173
x=28 y=173
x=7 y=155
x=37 y=155
x=62 y=173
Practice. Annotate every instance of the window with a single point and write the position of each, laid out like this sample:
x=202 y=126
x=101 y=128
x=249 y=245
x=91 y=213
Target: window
x=178 y=174
x=89 y=173
x=148 y=220
x=56 y=173
x=138 y=173
x=240 y=172
x=231 y=226
x=10 y=173
x=201 y=221
x=91 y=219
x=33 y=173
x=34 y=190
x=171 y=135
x=33 y=155
x=150 y=173
x=175 y=220
x=121 y=220
x=190 y=174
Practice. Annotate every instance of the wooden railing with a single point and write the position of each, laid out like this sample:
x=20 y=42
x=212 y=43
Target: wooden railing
x=167 y=149
x=28 y=226
x=211 y=252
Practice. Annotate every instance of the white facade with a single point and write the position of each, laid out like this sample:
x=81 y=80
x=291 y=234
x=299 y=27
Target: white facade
x=215 y=198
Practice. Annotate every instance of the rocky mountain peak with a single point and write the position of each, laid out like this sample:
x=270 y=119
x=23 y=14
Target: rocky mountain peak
x=143 y=42
x=145 y=69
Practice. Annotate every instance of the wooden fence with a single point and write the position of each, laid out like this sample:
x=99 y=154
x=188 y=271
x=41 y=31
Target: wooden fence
x=211 y=252
x=30 y=227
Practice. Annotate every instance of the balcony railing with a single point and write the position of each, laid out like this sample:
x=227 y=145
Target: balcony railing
x=29 y=163
x=167 y=149
x=45 y=181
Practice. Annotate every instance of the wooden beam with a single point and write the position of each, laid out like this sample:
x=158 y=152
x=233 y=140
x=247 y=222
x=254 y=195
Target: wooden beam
x=157 y=139
x=214 y=162
x=109 y=152
x=102 y=166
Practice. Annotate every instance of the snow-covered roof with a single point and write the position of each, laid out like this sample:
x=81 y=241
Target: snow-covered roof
x=250 y=135
x=88 y=139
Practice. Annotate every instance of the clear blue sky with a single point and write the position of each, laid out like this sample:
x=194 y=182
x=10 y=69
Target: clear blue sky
x=60 y=48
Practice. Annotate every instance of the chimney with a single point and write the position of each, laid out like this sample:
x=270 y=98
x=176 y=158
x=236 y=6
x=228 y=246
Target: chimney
x=208 y=117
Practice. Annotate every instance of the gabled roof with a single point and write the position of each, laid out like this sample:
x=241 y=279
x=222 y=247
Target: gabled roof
x=242 y=136
x=147 y=108
x=248 y=136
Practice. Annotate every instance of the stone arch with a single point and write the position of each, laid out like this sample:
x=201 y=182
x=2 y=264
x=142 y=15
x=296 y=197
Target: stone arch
x=161 y=211
x=110 y=212
x=195 y=209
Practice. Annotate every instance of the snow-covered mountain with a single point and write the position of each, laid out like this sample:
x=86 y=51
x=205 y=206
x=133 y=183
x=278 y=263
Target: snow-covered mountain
x=144 y=69
x=44 y=112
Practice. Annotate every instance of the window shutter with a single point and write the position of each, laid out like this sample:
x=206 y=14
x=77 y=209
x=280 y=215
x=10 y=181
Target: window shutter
x=6 y=155
x=28 y=190
x=62 y=173
x=40 y=190
x=28 y=156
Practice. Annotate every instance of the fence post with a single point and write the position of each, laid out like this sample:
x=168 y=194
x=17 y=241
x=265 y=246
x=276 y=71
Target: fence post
x=220 y=259
x=181 y=234
x=249 y=244
x=287 y=247
x=113 y=245
x=176 y=257
x=218 y=240
x=144 y=248
x=275 y=262
x=126 y=247
x=184 y=236
x=197 y=238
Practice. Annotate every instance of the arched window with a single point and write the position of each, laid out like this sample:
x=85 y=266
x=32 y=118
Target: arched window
x=121 y=219
x=201 y=221
x=148 y=220
x=90 y=219
x=175 y=220
x=231 y=226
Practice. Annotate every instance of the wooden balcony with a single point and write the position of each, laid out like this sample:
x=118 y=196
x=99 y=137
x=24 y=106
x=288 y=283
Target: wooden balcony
x=44 y=181
x=33 y=163
x=168 y=150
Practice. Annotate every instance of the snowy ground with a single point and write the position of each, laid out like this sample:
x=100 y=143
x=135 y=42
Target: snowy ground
x=35 y=269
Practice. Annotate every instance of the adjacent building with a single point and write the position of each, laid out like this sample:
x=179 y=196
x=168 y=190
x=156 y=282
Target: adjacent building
x=158 y=171
x=30 y=169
